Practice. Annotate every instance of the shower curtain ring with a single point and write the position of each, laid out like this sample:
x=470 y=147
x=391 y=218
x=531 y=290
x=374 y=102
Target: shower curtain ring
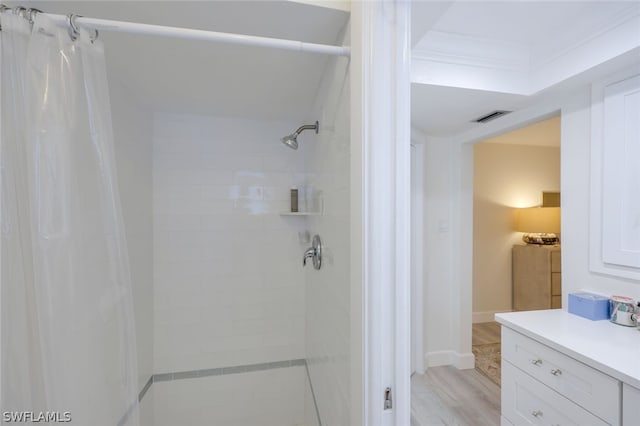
x=73 y=29
x=3 y=7
x=31 y=13
x=19 y=11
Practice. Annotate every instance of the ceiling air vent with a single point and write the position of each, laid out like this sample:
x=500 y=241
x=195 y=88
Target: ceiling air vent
x=491 y=116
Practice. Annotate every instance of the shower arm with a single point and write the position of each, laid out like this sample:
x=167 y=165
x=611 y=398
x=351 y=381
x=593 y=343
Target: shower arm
x=307 y=127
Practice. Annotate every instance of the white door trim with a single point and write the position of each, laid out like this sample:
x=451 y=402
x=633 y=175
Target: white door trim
x=463 y=239
x=417 y=256
x=380 y=71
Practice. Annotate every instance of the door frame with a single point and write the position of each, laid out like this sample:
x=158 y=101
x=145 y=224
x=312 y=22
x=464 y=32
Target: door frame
x=463 y=203
x=417 y=254
x=380 y=212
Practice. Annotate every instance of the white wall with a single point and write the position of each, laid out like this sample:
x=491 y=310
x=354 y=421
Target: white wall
x=440 y=263
x=328 y=289
x=504 y=177
x=228 y=278
x=133 y=151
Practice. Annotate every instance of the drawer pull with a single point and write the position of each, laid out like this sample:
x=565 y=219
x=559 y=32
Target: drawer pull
x=536 y=361
x=556 y=372
x=537 y=413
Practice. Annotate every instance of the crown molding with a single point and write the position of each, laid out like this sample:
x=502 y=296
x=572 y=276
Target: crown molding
x=457 y=49
x=617 y=20
x=456 y=60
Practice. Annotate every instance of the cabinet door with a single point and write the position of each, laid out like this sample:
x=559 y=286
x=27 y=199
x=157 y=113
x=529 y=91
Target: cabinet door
x=621 y=177
x=630 y=405
x=614 y=234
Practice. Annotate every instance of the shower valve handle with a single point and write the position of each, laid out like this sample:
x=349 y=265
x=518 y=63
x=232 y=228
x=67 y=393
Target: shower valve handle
x=309 y=253
x=314 y=253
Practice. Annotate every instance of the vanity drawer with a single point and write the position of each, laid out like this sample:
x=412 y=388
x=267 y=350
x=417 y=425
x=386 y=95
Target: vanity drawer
x=505 y=422
x=587 y=387
x=526 y=401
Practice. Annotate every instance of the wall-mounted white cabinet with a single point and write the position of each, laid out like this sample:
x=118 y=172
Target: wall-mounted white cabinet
x=621 y=177
x=615 y=177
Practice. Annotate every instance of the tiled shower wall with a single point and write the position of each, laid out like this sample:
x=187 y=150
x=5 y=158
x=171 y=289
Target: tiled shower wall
x=133 y=152
x=229 y=286
x=328 y=290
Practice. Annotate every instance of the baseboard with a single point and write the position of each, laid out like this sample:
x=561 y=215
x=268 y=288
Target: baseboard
x=486 y=316
x=438 y=358
x=464 y=361
x=458 y=360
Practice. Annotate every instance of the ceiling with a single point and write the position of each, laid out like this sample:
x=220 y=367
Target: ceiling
x=542 y=133
x=442 y=110
x=524 y=22
x=474 y=57
x=469 y=57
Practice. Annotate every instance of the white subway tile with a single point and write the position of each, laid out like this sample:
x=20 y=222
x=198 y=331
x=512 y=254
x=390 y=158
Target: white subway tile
x=218 y=192
x=177 y=222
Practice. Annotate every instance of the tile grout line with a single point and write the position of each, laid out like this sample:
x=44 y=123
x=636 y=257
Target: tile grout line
x=221 y=371
x=145 y=388
x=313 y=394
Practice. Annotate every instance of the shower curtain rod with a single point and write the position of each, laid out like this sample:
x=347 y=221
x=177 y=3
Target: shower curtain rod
x=192 y=34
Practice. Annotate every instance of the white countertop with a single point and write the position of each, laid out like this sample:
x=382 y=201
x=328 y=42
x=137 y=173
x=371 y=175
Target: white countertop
x=610 y=348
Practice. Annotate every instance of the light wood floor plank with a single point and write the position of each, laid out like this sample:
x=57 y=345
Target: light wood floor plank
x=446 y=396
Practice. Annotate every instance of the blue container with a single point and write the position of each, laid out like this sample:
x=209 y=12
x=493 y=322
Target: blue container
x=589 y=305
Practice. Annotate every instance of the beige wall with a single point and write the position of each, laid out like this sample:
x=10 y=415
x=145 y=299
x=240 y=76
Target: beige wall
x=505 y=176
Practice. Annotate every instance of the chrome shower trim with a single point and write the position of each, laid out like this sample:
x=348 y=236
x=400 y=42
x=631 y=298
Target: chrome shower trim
x=292 y=140
x=307 y=127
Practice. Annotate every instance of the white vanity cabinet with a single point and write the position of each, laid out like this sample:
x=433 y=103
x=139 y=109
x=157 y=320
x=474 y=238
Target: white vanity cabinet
x=560 y=369
x=553 y=386
x=526 y=401
x=630 y=405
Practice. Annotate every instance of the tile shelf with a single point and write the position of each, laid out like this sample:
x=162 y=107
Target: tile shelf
x=300 y=213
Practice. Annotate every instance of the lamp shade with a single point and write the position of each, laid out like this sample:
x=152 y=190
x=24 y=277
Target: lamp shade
x=538 y=220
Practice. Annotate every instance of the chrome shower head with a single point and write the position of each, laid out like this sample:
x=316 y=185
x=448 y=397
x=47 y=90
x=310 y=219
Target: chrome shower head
x=292 y=140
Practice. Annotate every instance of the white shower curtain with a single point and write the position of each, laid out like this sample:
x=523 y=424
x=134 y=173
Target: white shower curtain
x=68 y=339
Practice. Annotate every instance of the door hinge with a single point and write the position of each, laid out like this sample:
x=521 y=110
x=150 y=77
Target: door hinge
x=388 y=401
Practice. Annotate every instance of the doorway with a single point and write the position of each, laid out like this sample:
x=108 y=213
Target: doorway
x=510 y=171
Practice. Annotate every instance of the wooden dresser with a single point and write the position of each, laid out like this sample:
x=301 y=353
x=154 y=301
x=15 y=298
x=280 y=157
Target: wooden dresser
x=537 y=277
